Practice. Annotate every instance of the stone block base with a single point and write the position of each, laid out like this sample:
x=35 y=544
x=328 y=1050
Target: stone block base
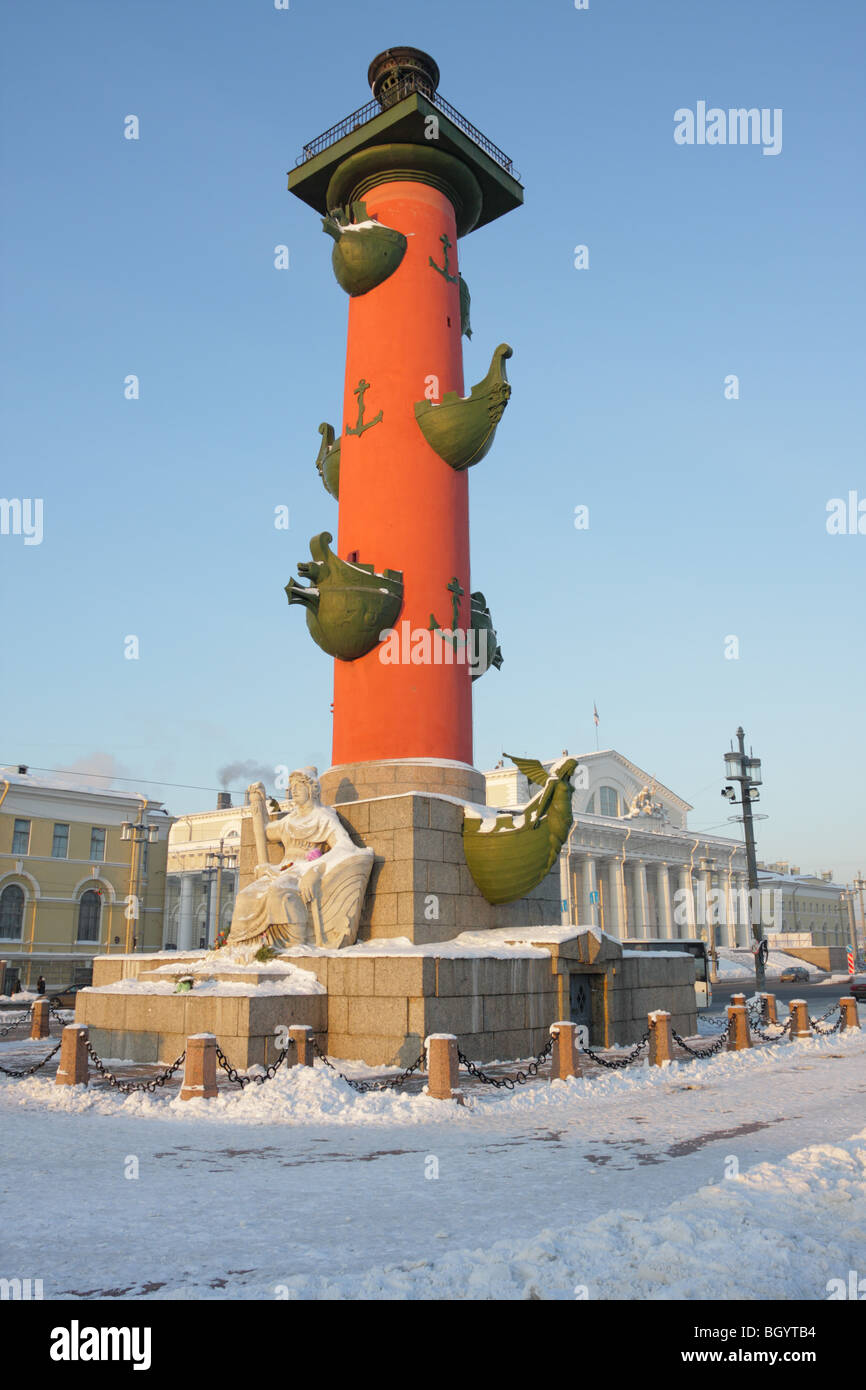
x=380 y=1007
x=154 y=1028
x=363 y=781
x=420 y=886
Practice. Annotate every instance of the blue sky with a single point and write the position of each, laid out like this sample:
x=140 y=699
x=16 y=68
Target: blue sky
x=707 y=516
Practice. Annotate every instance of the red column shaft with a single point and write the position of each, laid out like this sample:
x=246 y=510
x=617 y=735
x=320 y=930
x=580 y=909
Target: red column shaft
x=401 y=506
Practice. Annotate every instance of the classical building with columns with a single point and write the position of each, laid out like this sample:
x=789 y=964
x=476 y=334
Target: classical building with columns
x=201 y=876
x=631 y=865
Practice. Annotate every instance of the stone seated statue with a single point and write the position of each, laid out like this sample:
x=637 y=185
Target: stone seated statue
x=314 y=895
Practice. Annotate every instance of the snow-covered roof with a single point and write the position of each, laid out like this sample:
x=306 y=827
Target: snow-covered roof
x=73 y=783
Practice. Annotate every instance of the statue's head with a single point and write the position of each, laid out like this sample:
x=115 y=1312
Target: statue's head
x=304 y=785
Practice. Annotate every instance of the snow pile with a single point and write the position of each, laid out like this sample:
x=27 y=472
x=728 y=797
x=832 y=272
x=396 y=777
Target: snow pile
x=798 y=1224
x=224 y=962
x=288 y=980
x=317 y=1095
x=500 y=944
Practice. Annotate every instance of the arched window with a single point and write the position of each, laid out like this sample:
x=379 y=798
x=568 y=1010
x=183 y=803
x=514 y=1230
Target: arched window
x=11 y=912
x=608 y=802
x=88 y=916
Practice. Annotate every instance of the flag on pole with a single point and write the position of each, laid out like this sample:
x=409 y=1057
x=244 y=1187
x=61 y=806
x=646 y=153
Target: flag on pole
x=595 y=714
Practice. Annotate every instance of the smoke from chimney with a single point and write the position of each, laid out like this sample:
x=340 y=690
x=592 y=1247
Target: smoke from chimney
x=250 y=772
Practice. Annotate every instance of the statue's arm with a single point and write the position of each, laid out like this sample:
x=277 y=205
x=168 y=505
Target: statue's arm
x=339 y=837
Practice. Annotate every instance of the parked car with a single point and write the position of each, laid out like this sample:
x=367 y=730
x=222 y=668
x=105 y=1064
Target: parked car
x=794 y=974
x=858 y=989
x=63 y=998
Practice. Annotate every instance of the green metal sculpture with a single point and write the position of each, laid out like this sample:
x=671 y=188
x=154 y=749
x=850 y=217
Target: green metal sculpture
x=365 y=252
x=444 y=269
x=361 y=424
x=465 y=302
x=461 y=428
x=347 y=604
x=489 y=651
x=328 y=460
x=512 y=852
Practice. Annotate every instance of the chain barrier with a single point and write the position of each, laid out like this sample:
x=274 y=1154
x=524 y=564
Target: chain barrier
x=386 y=1084
x=127 y=1087
x=24 y=1018
x=772 y=1037
x=507 y=1082
x=826 y=1032
x=270 y=1072
x=617 y=1063
x=703 y=1051
x=826 y=1014
x=36 y=1065
x=55 y=1013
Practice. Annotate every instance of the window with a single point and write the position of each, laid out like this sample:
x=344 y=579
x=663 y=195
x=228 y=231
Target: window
x=21 y=837
x=88 y=915
x=60 y=843
x=97 y=844
x=608 y=802
x=11 y=912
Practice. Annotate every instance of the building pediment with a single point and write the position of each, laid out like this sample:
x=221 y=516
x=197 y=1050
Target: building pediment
x=606 y=768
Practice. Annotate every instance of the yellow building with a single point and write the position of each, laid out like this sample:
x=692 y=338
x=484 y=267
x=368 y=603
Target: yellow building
x=82 y=873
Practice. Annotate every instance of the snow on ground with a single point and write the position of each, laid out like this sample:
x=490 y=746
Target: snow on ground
x=614 y=1185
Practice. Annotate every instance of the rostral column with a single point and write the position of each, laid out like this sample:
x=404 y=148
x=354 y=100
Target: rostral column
x=397 y=184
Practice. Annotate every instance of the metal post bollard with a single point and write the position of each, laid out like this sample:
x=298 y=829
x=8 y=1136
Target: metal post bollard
x=850 y=1018
x=738 y=1028
x=661 y=1043
x=199 y=1068
x=565 y=1059
x=302 y=1036
x=40 y=1020
x=768 y=1008
x=73 y=1069
x=800 y=1019
x=442 y=1066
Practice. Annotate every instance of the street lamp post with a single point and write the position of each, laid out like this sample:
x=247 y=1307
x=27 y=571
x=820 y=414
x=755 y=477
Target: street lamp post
x=708 y=867
x=747 y=771
x=860 y=885
x=139 y=834
x=215 y=861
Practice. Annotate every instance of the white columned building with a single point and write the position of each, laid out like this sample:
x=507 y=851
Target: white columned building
x=201 y=876
x=631 y=846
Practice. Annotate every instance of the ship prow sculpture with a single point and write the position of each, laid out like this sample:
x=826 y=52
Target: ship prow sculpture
x=461 y=428
x=511 y=852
